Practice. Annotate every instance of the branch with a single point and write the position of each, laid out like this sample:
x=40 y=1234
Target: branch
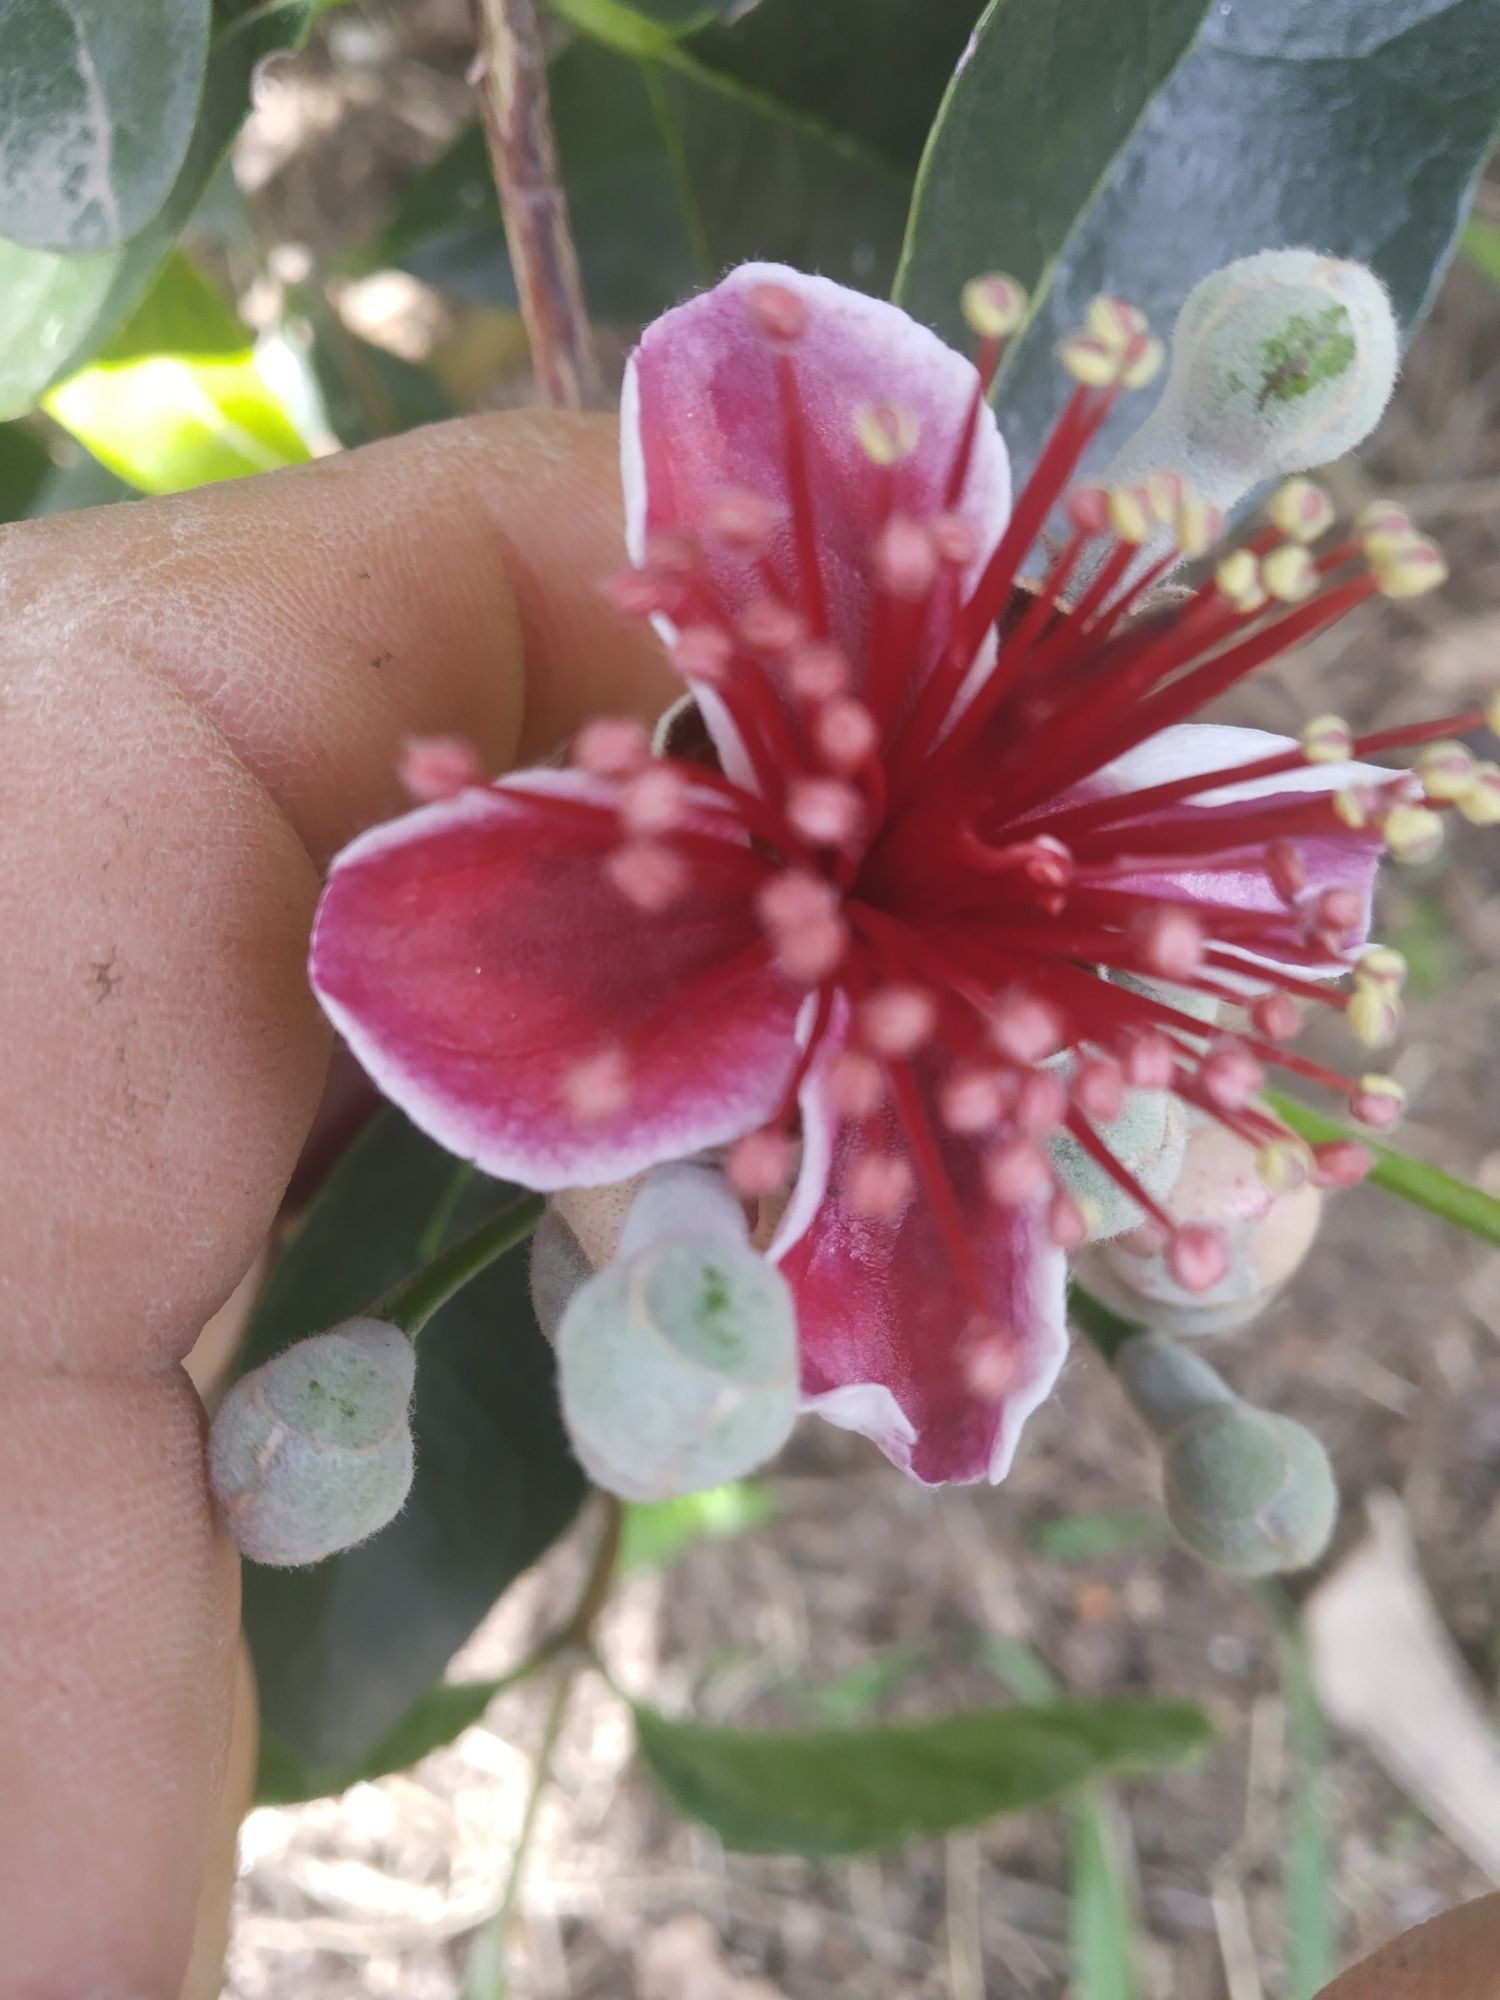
x=512 y=78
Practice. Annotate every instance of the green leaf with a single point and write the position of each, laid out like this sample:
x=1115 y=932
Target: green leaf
x=847 y=1791
x=1481 y=245
x=1079 y=1537
x=1459 y=1202
x=25 y=466
x=56 y=312
x=1311 y=1939
x=656 y=1533
x=97 y=103
x=177 y=400
x=1279 y=126
x=787 y=131
x=1101 y=1922
x=344 y=1650
x=851 y=1697
x=79 y=481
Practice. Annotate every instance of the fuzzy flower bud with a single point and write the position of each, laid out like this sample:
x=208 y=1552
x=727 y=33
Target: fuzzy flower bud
x=1280 y=361
x=1266 y=1215
x=1246 y=1490
x=677 y=1362
x=312 y=1451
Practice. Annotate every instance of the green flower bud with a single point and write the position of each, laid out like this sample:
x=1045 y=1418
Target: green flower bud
x=1244 y=1489
x=1268 y=1233
x=1280 y=361
x=312 y=1451
x=677 y=1363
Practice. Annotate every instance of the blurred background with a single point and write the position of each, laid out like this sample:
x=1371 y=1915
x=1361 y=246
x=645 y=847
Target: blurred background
x=1354 y=1788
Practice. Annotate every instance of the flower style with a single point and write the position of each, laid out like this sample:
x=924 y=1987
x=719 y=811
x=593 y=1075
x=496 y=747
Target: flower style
x=927 y=930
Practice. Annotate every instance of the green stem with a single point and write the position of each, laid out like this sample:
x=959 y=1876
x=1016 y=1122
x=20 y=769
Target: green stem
x=1441 y=1194
x=412 y=1303
x=1106 y=1329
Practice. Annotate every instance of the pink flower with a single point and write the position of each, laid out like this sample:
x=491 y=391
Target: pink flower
x=900 y=948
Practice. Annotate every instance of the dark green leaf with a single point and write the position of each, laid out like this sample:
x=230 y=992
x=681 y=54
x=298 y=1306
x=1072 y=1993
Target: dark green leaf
x=433 y=1720
x=57 y=312
x=343 y=1650
x=25 y=465
x=849 y=1790
x=1459 y=1202
x=97 y=103
x=78 y=481
x=1357 y=126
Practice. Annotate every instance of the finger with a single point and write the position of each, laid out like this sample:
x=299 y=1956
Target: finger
x=1455 y=1957
x=202 y=698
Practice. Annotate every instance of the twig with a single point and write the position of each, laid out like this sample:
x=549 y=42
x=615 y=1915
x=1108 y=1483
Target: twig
x=572 y=1645
x=512 y=77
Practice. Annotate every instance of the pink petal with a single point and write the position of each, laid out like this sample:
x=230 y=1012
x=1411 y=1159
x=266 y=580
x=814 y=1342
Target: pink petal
x=493 y=981
x=701 y=415
x=1337 y=860
x=887 y=1331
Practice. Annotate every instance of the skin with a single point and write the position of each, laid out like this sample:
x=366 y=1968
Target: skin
x=201 y=699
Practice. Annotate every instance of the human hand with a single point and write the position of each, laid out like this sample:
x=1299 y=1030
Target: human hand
x=203 y=698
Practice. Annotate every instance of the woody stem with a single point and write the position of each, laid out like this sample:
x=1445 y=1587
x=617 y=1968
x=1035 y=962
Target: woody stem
x=512 y=79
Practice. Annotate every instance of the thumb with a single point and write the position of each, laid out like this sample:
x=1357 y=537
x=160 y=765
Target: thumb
x=1454 y=1957
x=203 y=698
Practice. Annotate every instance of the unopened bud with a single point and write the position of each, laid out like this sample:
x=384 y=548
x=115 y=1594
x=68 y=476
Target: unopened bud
x=312 y=1451
x=1280 y=361
x=1244 y=1489
x=1266 y=1214
x=677 y=1363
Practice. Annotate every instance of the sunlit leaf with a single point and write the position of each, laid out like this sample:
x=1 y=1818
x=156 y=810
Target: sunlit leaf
x=57 y=311
x=176 y=399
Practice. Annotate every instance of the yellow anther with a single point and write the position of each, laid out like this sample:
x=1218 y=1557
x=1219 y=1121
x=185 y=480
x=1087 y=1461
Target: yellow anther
x=994 y=305
x=1412 y=833
x=1164 y=493
x=1284 y=1165
x=1492 y=714
x=1130 y=514
x=1238 y=576
x=1115 y=322
x=1143 y=359
x=1374 y=1016
x=1327 y=739
x=1302 y=509
x=1413 y=566
x=1480 y=804
x=1383 y=517
x=1373 y=1084
x=887 y=432
x=1289 y=574
x=1089 y=361
x=1196 y=526
x=1446 y=770
x=1350 y=808
x=1382 y=966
